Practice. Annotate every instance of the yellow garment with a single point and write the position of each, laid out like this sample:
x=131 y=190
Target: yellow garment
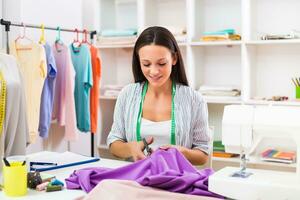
x=32 y=62
x=221 y=37
x=2 y=100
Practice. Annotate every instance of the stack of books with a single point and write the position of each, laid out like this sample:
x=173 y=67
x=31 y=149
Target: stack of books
x=274 y=155
x=219 y=151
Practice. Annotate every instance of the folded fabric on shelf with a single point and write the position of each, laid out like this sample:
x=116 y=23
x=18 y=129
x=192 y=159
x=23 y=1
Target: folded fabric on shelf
x=221 y=37
x=118 y=32
x=219 y=90
x=116 y=40
x=221 y=93
x=164 y=169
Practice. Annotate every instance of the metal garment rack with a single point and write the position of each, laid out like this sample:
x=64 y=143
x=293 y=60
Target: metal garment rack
x=7 y=25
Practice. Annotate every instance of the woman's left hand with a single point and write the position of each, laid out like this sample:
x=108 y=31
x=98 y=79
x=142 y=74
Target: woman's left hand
x=181 y=149
x=195 y=156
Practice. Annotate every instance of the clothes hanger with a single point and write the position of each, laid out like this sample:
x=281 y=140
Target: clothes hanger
x=42 y=38
x=23 y=38
x=84 y=40
x=76 y=43
x=58 y=40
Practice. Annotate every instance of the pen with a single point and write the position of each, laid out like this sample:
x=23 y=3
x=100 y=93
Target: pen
x=6 y=162
x=294 y=82
x=297 y=81
x=42 y=163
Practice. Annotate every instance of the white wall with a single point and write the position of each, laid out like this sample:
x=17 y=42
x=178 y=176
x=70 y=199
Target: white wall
x=63 y=13
x=91 y=14
x=69 y=14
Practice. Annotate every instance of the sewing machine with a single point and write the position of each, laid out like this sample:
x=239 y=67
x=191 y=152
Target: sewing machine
x=244 y=129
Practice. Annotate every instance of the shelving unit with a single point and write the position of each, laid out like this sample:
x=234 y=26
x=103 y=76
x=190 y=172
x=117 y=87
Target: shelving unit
x=260 y=68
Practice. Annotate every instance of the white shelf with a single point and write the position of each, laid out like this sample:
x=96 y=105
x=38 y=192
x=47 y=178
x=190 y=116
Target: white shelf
x=260 y=68
x=219 y=100
x=121 y=46
x=275 y=103
x=273 y=42
x=216 y=43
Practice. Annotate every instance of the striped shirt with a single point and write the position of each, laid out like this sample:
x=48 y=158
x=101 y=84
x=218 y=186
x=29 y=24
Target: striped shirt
x=191 y=117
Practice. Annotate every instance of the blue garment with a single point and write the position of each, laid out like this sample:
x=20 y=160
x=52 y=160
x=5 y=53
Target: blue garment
x=81 y=59
x=47 y=93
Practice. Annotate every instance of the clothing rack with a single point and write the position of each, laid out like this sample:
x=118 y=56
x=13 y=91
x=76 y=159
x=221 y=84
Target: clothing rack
x=7 y=25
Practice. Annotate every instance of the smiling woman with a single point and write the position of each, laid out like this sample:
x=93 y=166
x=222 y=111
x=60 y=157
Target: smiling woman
x=159 y=106
x=156 y=64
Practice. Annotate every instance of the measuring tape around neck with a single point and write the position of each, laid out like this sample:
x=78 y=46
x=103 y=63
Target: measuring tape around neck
x=138 y=126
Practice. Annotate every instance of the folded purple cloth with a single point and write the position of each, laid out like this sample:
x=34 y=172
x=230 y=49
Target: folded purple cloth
x=164 y=169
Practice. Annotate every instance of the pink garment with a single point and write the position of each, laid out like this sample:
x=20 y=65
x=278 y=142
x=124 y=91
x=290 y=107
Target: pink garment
x=123 y=189
x=64 y=103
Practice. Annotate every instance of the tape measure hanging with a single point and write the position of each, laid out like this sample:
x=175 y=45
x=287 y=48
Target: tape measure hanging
x=139 y=119
x=2 y=100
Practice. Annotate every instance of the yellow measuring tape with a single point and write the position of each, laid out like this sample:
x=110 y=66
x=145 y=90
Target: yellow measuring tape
x=2 y=100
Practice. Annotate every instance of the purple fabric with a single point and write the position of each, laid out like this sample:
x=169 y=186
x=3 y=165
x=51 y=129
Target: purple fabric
x=47 y=94
x=167 y=170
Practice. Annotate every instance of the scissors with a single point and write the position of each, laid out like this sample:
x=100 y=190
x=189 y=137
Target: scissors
x=148 y=149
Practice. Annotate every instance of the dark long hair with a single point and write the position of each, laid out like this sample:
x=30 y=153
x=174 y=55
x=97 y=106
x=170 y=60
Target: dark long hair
x=158 y=36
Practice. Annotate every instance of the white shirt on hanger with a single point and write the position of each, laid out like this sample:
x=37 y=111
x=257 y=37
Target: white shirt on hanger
x=15 y=133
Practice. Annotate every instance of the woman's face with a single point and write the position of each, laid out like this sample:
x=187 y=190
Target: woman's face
x=156 y=64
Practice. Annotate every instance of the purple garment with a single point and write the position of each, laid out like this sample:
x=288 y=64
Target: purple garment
x=167 y=170
x=47 y=94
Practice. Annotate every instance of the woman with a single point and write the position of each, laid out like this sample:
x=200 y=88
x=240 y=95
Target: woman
x=159 y=106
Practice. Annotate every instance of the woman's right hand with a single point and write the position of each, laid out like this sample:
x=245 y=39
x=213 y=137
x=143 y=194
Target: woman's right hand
x=136 y=149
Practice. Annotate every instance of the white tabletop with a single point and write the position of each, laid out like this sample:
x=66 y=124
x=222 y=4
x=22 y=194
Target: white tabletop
x=61 y=174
